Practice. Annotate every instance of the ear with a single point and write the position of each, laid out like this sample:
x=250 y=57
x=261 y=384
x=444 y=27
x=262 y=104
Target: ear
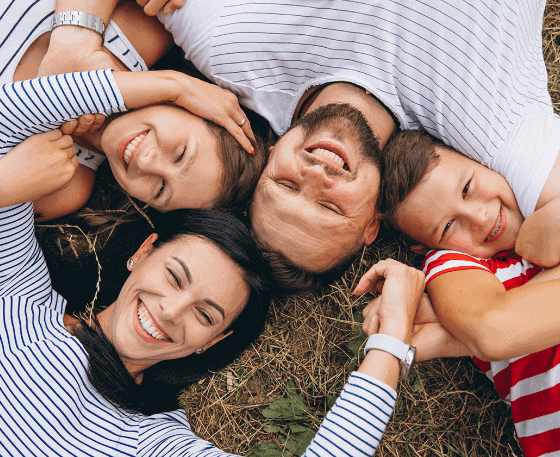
x=219 y=338
x=371 y=231
x=145 y=248
x=419 y=249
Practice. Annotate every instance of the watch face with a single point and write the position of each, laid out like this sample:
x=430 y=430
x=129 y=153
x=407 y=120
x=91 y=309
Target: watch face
x=408 y=362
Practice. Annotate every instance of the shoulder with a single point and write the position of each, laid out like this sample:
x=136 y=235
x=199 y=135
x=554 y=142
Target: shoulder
x=445 y=261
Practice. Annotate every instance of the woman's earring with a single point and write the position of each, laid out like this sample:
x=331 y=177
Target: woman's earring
x=200 y=351
x=130 y=263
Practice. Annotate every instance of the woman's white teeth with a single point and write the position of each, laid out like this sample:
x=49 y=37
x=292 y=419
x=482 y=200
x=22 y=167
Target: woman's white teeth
x=132 y=146
x=148 y=325
x=330 y=155
x=496 y=229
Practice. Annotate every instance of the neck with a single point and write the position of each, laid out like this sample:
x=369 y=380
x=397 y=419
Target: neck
x=378 y=117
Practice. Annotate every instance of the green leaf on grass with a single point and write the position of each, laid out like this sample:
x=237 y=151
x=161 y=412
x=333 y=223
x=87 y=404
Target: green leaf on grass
x=355 y=343
x=272 y=428
x=291 y=408
x=418 y=386
x=331 y=398
x=300 y=437
x=268 y=450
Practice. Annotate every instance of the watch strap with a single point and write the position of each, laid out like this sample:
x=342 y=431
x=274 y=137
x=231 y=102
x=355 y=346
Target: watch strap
x=80 y=19
x=388 y=344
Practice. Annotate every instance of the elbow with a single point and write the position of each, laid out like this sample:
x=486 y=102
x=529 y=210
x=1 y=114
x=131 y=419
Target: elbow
x=492 y=341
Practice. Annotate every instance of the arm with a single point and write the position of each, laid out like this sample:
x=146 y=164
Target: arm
x=538 y=240
x=495 y=324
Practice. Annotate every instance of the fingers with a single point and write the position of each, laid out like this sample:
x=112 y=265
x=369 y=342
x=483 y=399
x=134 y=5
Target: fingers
x=68 y=127
x=371 y=317
x=151 y=7
x=242 y=133
x=369 y=281
x=86 y=123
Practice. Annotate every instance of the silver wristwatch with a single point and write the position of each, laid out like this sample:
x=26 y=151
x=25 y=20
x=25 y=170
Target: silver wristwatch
x=404 y=352
x=79 y=18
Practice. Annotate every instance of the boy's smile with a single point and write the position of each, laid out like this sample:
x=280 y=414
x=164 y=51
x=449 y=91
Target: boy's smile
x=463 y=206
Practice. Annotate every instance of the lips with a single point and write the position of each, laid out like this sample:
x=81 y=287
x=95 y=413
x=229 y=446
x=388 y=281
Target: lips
x=128 y=145
x=147 y=327
x=498 y=228
x=331 y=154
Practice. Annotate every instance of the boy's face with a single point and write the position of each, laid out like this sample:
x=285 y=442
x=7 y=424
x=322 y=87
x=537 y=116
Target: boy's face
x=463 y=206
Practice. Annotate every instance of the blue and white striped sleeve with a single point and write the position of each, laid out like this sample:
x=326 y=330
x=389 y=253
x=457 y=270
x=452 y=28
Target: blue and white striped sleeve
x=355 y=424
x=42 y=104
x=353 y=427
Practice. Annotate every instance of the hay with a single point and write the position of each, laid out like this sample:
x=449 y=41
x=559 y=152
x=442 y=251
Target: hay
x=447 y=408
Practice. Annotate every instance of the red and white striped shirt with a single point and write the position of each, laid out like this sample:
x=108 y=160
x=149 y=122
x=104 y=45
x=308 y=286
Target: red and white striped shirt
x=531 y=383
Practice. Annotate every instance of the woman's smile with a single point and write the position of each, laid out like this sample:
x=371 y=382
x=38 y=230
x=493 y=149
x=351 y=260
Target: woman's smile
x=127 y=147
x=147 y=327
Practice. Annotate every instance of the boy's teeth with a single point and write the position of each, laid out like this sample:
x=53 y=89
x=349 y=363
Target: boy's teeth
x=329 y=155
x=496 y=229
x=132 y=146
x=148 y=325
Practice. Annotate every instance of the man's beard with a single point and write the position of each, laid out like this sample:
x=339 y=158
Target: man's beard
x=343 y=117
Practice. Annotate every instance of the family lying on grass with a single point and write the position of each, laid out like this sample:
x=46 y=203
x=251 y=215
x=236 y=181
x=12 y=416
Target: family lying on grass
x=199 y=289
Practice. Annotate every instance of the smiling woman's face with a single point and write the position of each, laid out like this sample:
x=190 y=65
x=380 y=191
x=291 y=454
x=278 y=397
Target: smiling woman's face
x=165 y=156
x=178 y=298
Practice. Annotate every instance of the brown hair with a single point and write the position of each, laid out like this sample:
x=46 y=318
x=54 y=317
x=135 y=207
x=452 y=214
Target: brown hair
x=290 y=279
x=241 y=170
x=408 y=156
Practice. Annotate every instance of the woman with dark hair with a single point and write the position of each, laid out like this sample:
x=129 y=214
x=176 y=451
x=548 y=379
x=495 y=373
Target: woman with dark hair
x=194 y=299
x=168 y=157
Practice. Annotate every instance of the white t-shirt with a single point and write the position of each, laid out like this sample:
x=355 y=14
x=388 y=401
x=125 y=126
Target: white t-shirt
x=469 y=73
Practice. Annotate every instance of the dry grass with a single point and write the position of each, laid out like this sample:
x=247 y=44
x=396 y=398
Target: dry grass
x=447 y=408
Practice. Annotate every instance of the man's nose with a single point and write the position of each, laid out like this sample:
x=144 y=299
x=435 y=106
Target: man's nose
x=315 y=175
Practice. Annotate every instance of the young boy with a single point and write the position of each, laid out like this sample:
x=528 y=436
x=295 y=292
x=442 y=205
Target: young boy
x=479 y=287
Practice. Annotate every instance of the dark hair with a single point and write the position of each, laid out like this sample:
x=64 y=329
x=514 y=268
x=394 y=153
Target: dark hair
x=162 y=382
x=290 y=279
x=408 y=156
x=241 y=170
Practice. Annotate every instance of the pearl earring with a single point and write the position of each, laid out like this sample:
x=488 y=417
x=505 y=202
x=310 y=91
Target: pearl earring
x=130 y=263
x=200 y=351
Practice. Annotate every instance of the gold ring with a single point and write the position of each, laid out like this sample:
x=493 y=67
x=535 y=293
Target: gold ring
x=243 y=122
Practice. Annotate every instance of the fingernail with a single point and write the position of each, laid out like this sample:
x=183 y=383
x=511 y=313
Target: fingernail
x=252 y=151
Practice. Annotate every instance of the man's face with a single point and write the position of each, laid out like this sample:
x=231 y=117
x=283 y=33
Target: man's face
x=316 y=199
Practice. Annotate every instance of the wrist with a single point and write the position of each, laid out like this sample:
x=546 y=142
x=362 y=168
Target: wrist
x=399 y=330
x=75 y=36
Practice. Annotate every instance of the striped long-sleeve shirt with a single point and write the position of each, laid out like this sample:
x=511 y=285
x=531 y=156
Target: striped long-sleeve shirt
x=47 y=405
x=471 y=73
x=531 y=384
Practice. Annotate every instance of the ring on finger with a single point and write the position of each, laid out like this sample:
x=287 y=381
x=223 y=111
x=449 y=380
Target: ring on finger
x=242 y=123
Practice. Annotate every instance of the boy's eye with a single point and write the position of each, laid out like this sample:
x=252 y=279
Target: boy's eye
x=466 y=188
x=447 y=227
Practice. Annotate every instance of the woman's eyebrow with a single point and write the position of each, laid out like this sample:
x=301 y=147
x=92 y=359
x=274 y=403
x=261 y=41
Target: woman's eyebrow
x=213 y=304
x=185 y=269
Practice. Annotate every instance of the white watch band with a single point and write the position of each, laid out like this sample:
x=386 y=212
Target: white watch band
x=402 y=351
x=80 y=19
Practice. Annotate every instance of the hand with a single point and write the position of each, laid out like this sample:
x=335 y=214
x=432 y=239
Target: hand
x=538 y=241
x=86 y=123
x=151 y=7
x=39 y=166
x=217 y=105
x=401 y=289
x=72 y=49
x=433 y=341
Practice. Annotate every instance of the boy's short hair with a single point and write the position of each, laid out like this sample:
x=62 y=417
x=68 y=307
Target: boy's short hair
x=408 y=156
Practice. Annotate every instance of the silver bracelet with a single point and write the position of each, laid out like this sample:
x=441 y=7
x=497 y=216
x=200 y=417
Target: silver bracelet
x=79 y=18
